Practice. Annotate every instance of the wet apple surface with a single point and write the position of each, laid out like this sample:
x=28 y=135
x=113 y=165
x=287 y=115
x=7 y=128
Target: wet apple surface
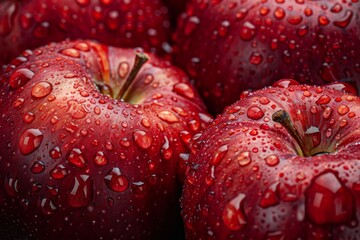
x=282 y=163
x=30 y=24
x=83 y=158
x=228 y=46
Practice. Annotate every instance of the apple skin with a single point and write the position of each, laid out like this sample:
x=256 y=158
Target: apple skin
x=227 y=47
x=248 y=180
x=79 y=164
x=30 y=24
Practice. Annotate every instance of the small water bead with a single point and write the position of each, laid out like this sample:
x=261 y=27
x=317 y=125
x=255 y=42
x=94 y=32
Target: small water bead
x=233 y=214
x=30 y=140
x=81 y=191
x=116 y=181
x=100 y=159
x=28 y=117
x=191 y=25
x=256 y=58
x=20 y=77
x=37 y=167
x=41 y=89
x=55 y=153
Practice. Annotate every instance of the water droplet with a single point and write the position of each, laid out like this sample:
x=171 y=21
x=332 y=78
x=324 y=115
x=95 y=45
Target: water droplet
x=47 y=206
x=328 y=201
x=70 y=52
x=100 y=159
x=20 y=77
x=247 y=31
x=55 y=153
x=191 y=25
x=323 y=99
x=81 y=191
x=243 y=158
x=294 y=20
x=59 y=172
x=112 y=21
x=233 y=215
x=7 y=18
x=184 y=90
x=323 y=20
x=82 y=46
x=142 y=139
x=41 y=89
x=37 y=167
x=256 y=58
x=30 y=140
x=139 y=189
x=76 y=109
x=279 y=13
x=11 y=186
x=218 y=155
x=255 y=113
x=272 y=160
x=336 y=8
x=345 y=20
x=168 y=116
x=77 y=158
x=166 y=151
x=327 y=112
x=270 y=196
x=28 y=117
x=224 y=28
x=116 y=181
x=343 y=109
x=123 y=69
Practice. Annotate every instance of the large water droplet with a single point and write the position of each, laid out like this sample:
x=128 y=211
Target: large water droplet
x=166 y=150
x=30 y=140
x=270 y=196
x=272 y=160
x=255 y=113
x=168 y=116
x=243 y=159
x=20 y=77
x=70 y=52
x=76 y=109
x=218 y=155
x=142 y=139
x=47 y=206
x=328 y=201
x=233 y=215
x=41 y=89
x=81 y=191
x=247 y=31
x=59 y=172
x=116 y=181
x=77 y=158
x=184 y=90
x=37 y=167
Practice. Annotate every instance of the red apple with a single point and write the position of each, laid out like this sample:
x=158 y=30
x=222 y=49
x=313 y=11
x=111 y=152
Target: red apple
x=29 y=24
x=282 y=163
x=84 y=154
x=229 y=46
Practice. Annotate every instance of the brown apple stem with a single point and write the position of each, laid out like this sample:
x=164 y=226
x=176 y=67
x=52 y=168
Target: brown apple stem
x=284 y=119
x=140 y=60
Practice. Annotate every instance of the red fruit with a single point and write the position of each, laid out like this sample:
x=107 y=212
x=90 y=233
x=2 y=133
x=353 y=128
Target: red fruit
x=230 y=46
x=282 y=163
x=79 y=163
x=30 y=24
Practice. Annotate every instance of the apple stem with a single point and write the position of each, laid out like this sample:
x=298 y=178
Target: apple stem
x=140 y=59
x=284 y=119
